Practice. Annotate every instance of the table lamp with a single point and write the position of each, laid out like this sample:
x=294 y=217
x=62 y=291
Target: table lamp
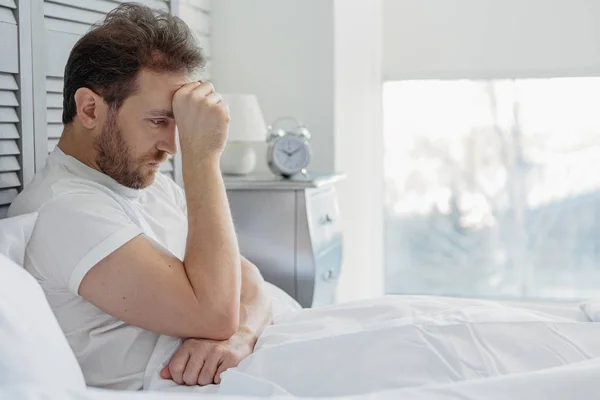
x=246 y=126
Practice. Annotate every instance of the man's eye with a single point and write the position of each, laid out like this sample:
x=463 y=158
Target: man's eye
x=157 y=122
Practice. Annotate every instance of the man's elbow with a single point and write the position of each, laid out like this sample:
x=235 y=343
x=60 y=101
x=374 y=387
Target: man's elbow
x=226 y=329
x=221 y=329
x=218 y=324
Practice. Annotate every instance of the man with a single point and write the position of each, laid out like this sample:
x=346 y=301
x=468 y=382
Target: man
x=122 y=253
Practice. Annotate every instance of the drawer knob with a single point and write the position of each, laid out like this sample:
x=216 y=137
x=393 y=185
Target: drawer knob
x=325 y=220
x=328 y=275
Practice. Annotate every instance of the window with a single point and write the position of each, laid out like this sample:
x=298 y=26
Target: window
x=492 y=188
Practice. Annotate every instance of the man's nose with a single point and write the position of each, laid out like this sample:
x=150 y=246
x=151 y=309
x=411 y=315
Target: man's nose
x=168 y=142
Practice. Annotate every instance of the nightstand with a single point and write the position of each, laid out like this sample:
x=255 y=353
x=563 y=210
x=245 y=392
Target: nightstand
x=290 y=229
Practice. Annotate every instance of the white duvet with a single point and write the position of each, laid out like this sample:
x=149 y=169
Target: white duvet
x=415 y=347
x=406 y=347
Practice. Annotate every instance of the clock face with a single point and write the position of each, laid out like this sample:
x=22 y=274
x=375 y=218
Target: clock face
x=291 y=154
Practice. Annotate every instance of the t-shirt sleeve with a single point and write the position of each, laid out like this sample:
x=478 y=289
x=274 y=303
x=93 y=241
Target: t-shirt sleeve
x=73 y=233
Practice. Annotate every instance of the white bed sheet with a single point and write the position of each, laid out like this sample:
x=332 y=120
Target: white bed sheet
x=573 y=382
x=416 y=346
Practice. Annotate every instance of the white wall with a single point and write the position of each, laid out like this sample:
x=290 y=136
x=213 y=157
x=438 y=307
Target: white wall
x=358 y=145
x=490 y=38
x=280 y=50
x=318 y=60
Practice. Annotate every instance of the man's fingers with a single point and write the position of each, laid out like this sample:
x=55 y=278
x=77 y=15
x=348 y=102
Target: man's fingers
x=178 y=363
x=222 y=368
x=204 y=89
x=214 y=98
x=165 y=373
x=207 y=375
x=193 y=368
x=188 y=87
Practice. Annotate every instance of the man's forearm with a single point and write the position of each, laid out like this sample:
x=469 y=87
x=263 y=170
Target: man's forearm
x=212 y=258
x=255 y=305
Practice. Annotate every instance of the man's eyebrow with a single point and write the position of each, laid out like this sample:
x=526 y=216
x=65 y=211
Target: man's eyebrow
x=161 y=113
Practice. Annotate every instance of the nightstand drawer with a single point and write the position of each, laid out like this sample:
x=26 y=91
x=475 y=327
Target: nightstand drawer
x=323 y=219
x=291 y=230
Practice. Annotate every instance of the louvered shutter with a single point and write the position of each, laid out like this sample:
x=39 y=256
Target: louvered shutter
x=196 y=13
x=11 y=156
x=65 y=21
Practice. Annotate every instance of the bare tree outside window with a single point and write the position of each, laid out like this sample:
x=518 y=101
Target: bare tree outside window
x=492 y=187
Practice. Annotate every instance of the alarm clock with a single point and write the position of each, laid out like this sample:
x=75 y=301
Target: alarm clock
x=289 y=151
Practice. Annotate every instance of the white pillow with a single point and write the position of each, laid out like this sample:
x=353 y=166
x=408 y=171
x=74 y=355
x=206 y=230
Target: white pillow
x=15 y=233
x=33 y=348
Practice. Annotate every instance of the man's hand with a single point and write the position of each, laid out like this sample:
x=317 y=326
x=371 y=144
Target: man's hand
x=202 y=118
x=201 y=362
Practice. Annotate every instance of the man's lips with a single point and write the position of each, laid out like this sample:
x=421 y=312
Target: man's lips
x=155 y=163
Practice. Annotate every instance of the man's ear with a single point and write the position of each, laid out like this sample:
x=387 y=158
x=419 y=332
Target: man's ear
x=88 y=105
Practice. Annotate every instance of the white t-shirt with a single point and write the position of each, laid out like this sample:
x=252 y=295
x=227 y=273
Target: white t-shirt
x=84 y=215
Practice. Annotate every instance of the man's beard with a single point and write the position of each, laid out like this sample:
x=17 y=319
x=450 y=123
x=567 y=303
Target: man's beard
x=115 y=157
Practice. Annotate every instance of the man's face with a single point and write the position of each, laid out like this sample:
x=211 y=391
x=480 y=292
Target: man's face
x=139 y=136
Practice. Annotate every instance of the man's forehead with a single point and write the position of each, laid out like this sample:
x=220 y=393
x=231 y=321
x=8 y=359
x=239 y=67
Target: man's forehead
x=166 y=82
x=155 y=91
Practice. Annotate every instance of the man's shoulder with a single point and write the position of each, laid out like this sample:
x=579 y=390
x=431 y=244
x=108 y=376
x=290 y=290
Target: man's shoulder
x=46 y=190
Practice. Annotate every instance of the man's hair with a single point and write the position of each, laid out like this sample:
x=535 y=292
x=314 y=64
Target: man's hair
x=108 y=58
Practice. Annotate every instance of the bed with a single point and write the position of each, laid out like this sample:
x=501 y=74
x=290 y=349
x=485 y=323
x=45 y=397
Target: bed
x=409 y=347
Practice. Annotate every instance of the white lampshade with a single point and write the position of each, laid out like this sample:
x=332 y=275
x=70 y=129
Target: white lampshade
x=246 y=120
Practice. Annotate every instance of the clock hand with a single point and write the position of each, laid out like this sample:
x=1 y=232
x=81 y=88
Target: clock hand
x=295 y=151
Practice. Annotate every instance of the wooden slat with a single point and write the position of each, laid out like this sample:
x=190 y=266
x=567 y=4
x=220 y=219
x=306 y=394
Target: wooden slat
x=7 y=196
x=8 y=99
x=201 y=5
x=52 y=144
x=8 y=82
x=8 y=131
x=7 y=15
x=54 y=131
x=8 y=114
x=54 y=116
x=8 y=4
x=58 y=48
x=198 y=21
x=66 y=13
x=54 y=85
x=9 y=45
x=9 y=164
x=9 y=180
x=58 y=25
x=158 y=4
x=9 y=148
x=102 y=6
x=54 y=100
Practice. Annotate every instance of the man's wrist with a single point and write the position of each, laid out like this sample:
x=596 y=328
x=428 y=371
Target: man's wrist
x=246 y=336
x=206 y=161
x=245 y=331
